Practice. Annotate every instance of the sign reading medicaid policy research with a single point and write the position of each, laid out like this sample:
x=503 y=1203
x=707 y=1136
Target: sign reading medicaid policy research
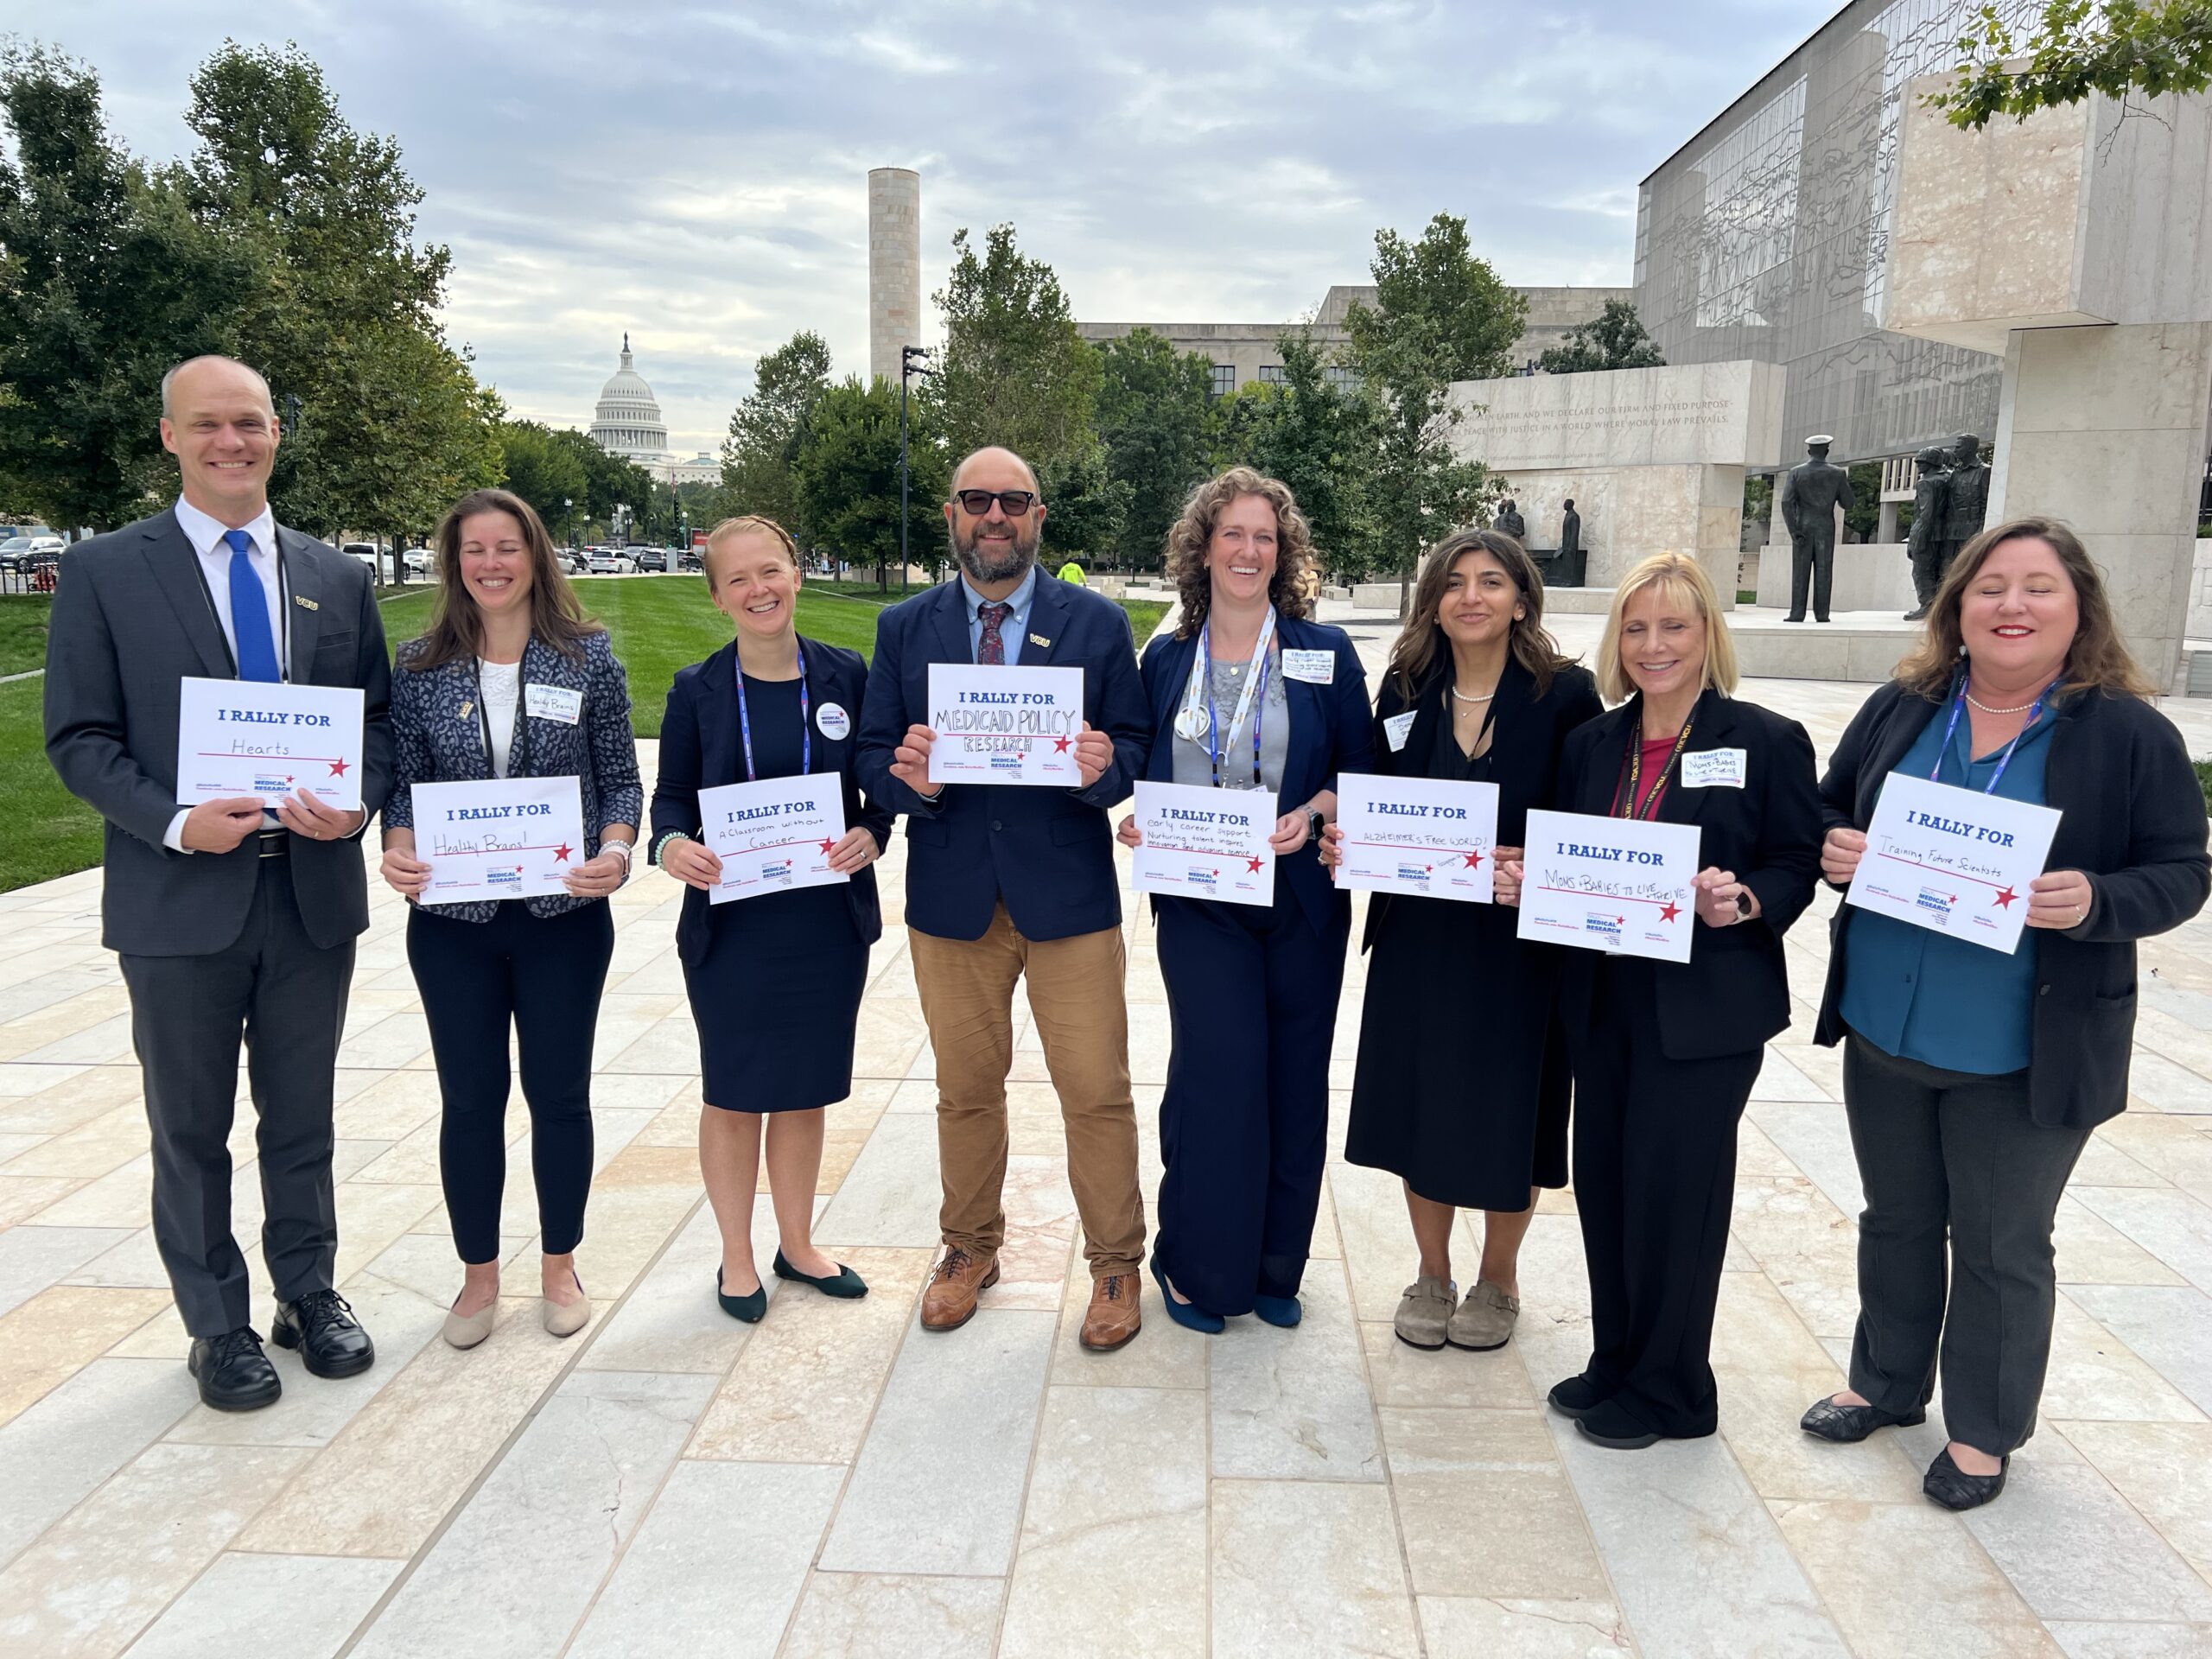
x=774 y=834
x=1206 y=843
x=1953 y=860
x=236 y=738
x=1416 y=835
x=1610 y=884
x=498 y=837
x=1004 y=725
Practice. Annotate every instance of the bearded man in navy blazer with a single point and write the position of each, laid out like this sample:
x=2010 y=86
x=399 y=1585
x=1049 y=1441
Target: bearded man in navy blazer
x=1007 y=881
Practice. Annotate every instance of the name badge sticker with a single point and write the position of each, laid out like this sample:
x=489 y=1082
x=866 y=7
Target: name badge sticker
x=1713 y=769
x=1314 y=667
x=558 y=702
x=1398 y=729
x=834 y=722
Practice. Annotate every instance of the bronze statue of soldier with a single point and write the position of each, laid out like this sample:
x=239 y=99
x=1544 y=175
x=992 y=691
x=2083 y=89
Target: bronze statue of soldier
x=1510 y=523
x=1811 y=492
x=1931 y=497
x=1965 y=499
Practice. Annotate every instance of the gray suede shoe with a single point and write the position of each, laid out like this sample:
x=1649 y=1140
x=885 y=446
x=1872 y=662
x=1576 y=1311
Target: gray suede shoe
x=1485 y=1320
x=1424 y=1312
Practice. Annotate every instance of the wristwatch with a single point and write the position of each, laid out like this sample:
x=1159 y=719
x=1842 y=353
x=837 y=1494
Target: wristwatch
x=1743 y=906
x=1313 y=822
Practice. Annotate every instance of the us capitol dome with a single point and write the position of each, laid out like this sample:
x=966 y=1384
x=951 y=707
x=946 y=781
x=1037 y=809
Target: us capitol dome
x=626 y=422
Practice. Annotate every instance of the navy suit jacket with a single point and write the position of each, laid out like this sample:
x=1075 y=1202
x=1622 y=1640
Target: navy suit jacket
x=700 y=750
x=1047 y=853
x=1330 y=732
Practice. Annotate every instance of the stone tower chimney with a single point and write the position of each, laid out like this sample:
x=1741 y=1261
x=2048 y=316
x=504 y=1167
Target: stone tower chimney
x=894 y=267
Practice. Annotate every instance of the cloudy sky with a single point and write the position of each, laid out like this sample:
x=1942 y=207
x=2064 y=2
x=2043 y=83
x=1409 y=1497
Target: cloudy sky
x=695 y=170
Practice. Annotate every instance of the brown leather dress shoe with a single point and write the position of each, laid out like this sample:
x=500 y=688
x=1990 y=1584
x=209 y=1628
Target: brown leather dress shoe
x=949 y=1299
x=1112 y=1318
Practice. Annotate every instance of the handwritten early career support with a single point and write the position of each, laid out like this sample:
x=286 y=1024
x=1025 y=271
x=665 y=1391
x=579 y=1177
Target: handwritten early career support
x=236 y=738
x=1205 y=843
x=1610 y=884
x=1422 y=836
x=498 y=837
x=1004 y=725
x=773 y=835
x=1954 y=861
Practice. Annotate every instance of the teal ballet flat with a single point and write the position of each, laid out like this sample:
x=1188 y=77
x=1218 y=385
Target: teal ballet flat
x=844 y=1282
x=1278 y=1310
x=751 y=1309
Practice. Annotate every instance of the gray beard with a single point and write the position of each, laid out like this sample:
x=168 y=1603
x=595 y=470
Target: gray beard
x=1021 y=554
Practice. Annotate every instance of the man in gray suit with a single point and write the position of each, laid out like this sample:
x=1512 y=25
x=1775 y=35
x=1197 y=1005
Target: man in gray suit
x=230 y=922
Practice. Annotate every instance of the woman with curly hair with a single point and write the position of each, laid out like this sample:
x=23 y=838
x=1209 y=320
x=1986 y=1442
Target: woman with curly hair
x=1249 y=695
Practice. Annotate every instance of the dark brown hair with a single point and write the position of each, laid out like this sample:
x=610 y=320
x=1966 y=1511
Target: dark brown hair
x=2099 y=658
x=1287 y=590
x=1422 y=643
x=456 y=629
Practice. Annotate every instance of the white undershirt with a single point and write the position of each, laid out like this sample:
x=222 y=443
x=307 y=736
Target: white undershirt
x=502 y=684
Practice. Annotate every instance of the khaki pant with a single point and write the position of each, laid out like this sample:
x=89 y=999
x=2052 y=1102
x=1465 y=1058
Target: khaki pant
x=1075 y=992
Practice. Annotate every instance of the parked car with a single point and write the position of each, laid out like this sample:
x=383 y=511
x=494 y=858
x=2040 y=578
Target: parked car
x=369 y=555
x=649 y=558
x=574 y=560
x=609 y=562
x=24 y=554
x=694 y=558
x=422 y=562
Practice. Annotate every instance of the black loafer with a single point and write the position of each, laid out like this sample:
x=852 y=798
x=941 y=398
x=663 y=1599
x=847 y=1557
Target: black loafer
x=843 y=1283
x=321 y=1325
x=1955 y=1489
x=232 y=1372
x=1610 y=1426
x=1576 y=1395
x=1830 y=1420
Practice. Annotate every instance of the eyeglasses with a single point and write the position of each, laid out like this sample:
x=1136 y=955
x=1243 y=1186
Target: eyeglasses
x=976 y=503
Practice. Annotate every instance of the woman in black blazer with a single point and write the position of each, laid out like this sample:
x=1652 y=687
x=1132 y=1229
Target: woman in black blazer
x=1665 y=1053
x=513 y=680
x=775 y=981
x=1476 y=691
x=1973 y=1079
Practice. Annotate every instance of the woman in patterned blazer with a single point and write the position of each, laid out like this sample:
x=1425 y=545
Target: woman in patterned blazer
x=513 y=680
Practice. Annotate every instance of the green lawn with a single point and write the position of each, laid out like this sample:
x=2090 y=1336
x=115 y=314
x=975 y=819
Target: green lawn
x=45 y=831
x=22 y=631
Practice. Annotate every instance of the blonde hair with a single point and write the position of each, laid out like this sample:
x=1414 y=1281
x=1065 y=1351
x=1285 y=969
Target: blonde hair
x=745 y=524
x=1192 y=535
x=1681 y=580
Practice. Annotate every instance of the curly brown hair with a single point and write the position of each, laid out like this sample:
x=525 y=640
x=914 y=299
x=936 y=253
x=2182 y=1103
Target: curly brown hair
x=1287 y=590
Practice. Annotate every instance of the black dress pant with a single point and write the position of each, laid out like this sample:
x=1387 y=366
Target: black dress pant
x=1954 y=1153
x=286 y=996
x=1654 y=1177
x=542 y=975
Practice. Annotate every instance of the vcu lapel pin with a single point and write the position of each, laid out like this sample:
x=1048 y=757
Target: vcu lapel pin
x=1039 y=640
x=305 y=603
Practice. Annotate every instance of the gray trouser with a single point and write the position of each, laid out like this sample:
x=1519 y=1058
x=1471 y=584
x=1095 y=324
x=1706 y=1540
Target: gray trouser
x=1954 y=1150
x=286 y=997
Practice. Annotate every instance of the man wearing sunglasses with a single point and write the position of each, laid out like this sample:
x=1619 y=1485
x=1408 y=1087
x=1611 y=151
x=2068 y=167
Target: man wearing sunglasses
x=1006 y=882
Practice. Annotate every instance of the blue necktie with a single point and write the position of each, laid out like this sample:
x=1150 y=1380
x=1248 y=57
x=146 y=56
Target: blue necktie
x=250 y=612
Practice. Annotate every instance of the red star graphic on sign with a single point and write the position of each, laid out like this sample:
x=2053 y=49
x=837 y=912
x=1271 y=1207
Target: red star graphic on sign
x=2006 y=897
x=827 y=845
x=1254 y=863
x=1474 y=861
x=1060 y=746
x=561 y=853
x=338 y=768
x=1667 y=912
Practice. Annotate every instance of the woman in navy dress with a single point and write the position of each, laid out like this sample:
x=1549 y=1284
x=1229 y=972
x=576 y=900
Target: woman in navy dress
x=1249 y=695
x=775 y=981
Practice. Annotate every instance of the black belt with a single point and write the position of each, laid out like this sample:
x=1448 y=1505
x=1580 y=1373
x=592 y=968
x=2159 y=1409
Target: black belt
x=274 y=843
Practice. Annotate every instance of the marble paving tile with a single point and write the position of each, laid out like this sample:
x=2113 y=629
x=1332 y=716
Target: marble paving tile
x=2103 y=1163
x=392 y=1109
x=1307 y=1566
x=808 y=1378
x=99 y=1042
x=1119 y=1475
x=1953 y=1601
x=2091 y=1640
x=626 y=1230
x=1293 y=1405
x=2159 y=1468
x=22 y=1198
x=19 y=1079
x=233 y=1607
x=2169 y=1328
x=517 y=1568
x=104 y=1570
x=397 y=1039
x=1040 y=1231
x=890 y=1196
x=55 y=1099
x=1485 y=1509
x=114 y=1137
x=1162 y=1356
x=952 y=1435
x=2075 y=1549
x=2155 y=1083
x=895 y=1616
x=1398 y=1374
x=119 y=1198
x=1816 y=1139
x=1780 y=1080
x=717 y=1566
x=62 y=1447
x=57 y=1332
x=2170 y=1224
x=1697 y=1563
x=1377 y=1239
x=671 y=1321
x=426 y=1264
x=1795 y=1235
x=2179 y=1149
x=2090 y=1251
x=1467 y=1627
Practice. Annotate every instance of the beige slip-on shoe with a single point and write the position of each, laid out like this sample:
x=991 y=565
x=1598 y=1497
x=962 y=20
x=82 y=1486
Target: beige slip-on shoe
x=1485 y=1320
x=566 y=1319
x=466 y=1332
x=1424 y=1312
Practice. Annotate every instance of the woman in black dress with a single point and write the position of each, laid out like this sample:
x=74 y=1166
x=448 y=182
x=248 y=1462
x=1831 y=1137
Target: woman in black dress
x=775 y=980
x=1475 y=691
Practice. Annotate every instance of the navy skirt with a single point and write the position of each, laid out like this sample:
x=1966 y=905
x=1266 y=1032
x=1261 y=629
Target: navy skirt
x=775 y=1017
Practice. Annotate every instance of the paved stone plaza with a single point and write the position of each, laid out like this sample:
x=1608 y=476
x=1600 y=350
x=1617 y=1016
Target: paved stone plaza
x=835 y=1482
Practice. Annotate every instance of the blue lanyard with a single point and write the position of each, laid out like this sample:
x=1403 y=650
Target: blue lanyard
x=1959 y=702
x=1258 y=694
x=805 y=726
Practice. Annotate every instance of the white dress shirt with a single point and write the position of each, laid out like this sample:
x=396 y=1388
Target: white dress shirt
x=205 y=535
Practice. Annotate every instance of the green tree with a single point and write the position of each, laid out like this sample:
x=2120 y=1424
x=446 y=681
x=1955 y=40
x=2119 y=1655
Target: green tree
x=2076 y=47
x=1014 y=369
x=845 y=479
x=1615 y=338
x=1864 y=515
x=609 y=481
x=543 y=472
x=764 y=430
x=1153 y=418
x=1440 y=315
x=105 y=282
x=1088 y=508
x=1319 y=438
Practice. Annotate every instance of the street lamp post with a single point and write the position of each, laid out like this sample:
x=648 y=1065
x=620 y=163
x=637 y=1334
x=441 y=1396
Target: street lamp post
x=569 y=520
x=912 y=360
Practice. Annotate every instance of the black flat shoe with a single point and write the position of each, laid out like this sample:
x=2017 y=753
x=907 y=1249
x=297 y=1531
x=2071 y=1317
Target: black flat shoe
x=1955 y=1489
x=1829 y=1420
x=232 y=1372
x=321 y=1325
x=844 y=1282
x=1610 y=1426
x=1573 y=1396
x=751 y=1309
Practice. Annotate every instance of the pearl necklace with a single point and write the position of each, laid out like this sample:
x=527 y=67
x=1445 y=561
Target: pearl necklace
x=1463 y=697
x=1987 y=710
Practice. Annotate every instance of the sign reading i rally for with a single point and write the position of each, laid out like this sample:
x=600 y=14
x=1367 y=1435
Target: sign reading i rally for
x=774 y=834
x=498 y=837
x=1952 y=859
x=1620 y=885
x=997 y=725
x=1198 y=842
x=236 y=738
